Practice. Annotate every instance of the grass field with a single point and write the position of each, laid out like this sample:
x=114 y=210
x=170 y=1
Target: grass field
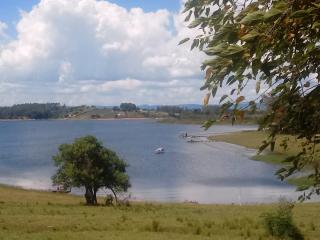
x=42 y=215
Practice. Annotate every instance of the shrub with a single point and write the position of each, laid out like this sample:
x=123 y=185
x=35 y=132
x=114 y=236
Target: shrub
x=198 y=231
x=280 y=223
x=109 y=200
x=155 y=226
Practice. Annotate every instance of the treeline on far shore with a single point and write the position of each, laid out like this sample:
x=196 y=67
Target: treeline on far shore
x=195 y=114
x=35 y=111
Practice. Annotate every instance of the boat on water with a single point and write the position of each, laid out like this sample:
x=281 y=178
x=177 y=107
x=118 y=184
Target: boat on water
x=159 y=150
x=190 y=140
x=61 y=189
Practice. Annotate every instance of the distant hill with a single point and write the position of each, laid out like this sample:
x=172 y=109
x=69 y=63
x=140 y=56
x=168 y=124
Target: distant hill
x=184 y=106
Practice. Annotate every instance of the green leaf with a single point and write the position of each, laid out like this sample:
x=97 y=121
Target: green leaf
x=302 y=188
x=208 y=124
x=216 y=49
x=223 y=98
x=256 y=64
x=316 y=5
x=205 y=86
x=195 y=22
x=207 y=11
x=195 y=43
x=300 y=14
x=184 y=41
x=214 y=91
x=315 y=25
x=258 y=84
x=272 y=145
x=188 y=17
x=252 y=18
x=263 y=146
x=281 y=170
x=271 y=14
x=231 y=80
x=232 y=50
x=250 y=36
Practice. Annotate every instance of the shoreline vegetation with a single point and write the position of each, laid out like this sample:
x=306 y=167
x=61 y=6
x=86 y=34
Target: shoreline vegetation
x=31 y=214
x=253 y=139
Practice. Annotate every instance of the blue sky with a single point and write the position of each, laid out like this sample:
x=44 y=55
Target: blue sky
x=9 y=10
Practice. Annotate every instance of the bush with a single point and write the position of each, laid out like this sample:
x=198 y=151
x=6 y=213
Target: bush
x=155 y=226
x=109 y=200
x=280 y=223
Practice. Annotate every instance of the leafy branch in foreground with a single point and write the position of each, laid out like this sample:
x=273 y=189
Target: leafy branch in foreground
x=272 y=46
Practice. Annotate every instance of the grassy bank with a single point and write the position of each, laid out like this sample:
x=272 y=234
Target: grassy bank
x=201 y=121
x=253 y=139
x=43 y=215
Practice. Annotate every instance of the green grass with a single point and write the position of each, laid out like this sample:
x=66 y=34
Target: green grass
x=42 y=215
x=300 y=182
x=201 y=120
x=253 y=139
x=273 y=158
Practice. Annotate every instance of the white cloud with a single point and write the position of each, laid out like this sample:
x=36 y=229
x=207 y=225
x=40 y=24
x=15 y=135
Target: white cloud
x=96 y=52
x=3 y=28
x=118 y=85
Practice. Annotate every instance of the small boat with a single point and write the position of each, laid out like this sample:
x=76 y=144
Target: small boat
x=183 y=135
x=159 y=150
x=190 y=140
x=61 y=189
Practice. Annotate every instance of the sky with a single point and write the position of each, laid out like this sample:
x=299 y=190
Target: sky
x=97 y=53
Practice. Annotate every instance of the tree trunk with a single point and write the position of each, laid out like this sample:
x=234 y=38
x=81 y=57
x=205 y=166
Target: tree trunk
x=95 y=196
x=89 y=196
x=115 y=195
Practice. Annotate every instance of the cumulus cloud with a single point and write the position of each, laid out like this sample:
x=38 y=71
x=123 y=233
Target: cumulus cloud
x=96 y=52
x=3 y=28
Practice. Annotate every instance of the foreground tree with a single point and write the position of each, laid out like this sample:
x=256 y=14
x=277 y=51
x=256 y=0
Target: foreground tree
x=86 y=163
x=274 y=46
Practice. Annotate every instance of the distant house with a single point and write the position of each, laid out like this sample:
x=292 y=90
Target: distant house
x=121 y=115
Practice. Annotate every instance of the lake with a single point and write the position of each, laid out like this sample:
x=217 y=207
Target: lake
x=205 y=172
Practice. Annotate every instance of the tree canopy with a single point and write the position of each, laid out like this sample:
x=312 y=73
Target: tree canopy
x=128 y=107
x=34 y=111
x=86 y=163
x=272 y=46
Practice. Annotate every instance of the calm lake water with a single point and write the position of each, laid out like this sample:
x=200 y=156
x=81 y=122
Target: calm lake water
x=204 y=172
